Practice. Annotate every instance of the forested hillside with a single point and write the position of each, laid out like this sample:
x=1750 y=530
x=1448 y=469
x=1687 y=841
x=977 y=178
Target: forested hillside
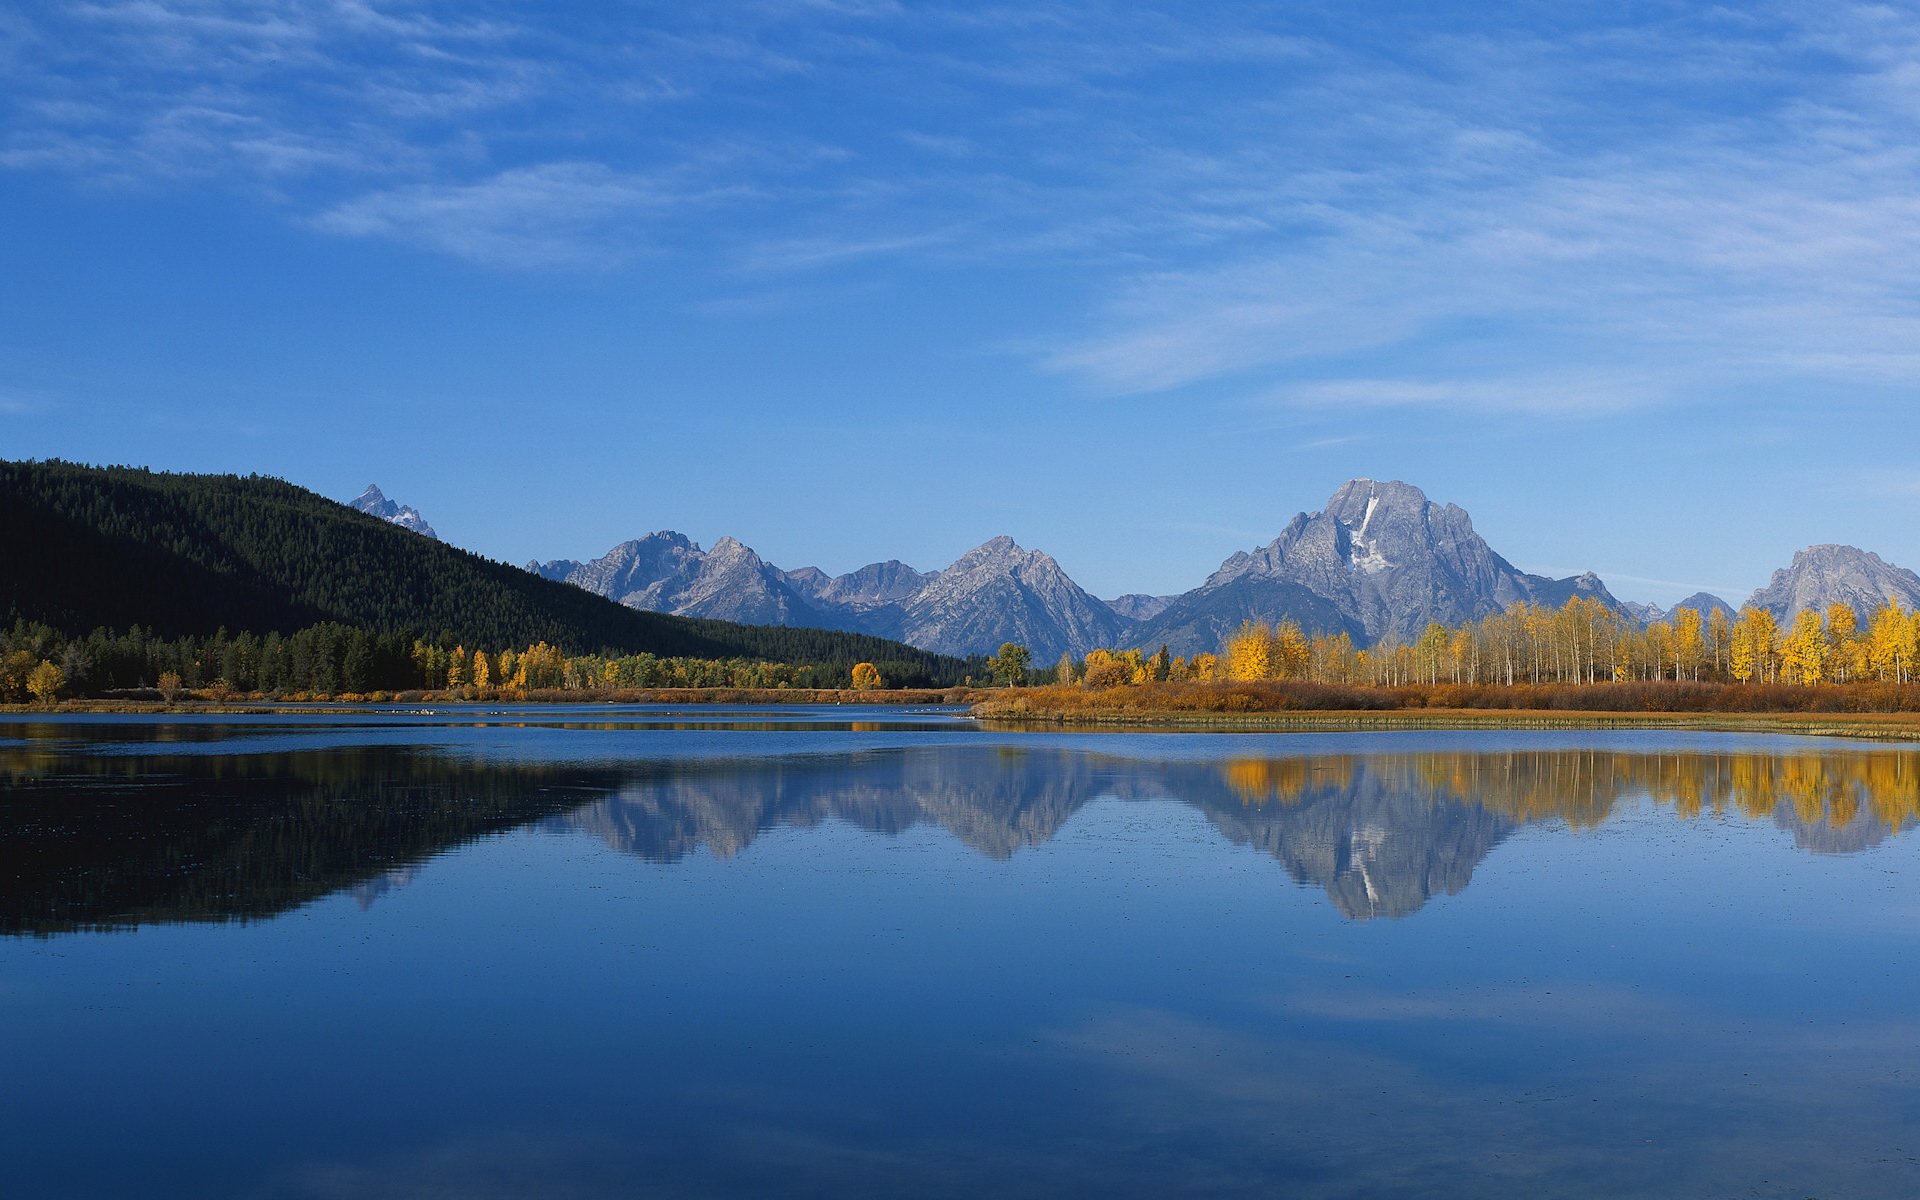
x=83 y=547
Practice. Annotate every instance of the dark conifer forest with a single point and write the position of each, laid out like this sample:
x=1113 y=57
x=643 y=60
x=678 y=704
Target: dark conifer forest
x=86 y=548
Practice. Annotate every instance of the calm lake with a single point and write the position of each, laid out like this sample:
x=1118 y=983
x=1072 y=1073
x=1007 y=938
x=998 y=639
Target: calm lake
x=628 y=952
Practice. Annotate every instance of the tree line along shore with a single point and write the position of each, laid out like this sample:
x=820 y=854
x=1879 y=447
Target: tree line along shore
x=1580 y=657
x=332 y=661
x=1580 y=642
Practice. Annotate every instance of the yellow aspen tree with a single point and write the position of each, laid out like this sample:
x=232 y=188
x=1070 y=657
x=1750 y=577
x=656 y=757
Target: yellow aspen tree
x=1744 y=658
x=1095 y=659
x=45 y=681
x=866 y=676
x=1688 y=646
x=482 y=669
x=1767 y=644
x=1845 y=653
x=1803 y=652
x=1884 y=634
x=1249 y=653
x=1720 y=637
x=1909 y=646
x=1291 y=653
x=1206 y=668
x=14 y=669
x=1755 y=640
x=1460 y=654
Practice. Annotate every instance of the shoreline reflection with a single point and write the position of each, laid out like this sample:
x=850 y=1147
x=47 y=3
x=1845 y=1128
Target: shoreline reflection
x=100 y=842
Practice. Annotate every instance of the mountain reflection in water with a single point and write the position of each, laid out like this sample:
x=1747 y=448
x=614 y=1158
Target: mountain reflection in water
x=100 y=841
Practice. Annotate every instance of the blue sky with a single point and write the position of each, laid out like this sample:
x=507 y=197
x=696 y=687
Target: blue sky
x=1637 y=285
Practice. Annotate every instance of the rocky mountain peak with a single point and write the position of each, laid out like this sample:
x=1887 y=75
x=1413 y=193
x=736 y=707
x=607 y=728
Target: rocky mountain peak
x=870 y=586
x=374 y=503
x=1704 y=603
x=1358 y=501
x=811 y=581
x=1379 y=562
x=1829 y=574
x=996 y=553
x=667 y=571
x=998 y=592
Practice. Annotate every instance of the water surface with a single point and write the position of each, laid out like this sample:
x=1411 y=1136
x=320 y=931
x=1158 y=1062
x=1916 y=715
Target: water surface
x=671 y=952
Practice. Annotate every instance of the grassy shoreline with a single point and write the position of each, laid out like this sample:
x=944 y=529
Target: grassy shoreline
x=202 y=703
x=1880 y=726
x=1027 y=708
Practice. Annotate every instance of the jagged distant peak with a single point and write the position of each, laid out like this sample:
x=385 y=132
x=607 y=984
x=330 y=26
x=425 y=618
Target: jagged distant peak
x=1826 y=553
x=660 y=537
x=872 y=585
x=1828 y=574
x=1139 y=606
x=996 y=552
x=1355 y=497
x=1704 y=603
x=374 y=503
x=1380 y=561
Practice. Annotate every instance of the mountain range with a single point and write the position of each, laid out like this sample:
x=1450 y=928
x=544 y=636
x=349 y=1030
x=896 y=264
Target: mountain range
x=1377 y=563
x=995 y=593
x=187 y=555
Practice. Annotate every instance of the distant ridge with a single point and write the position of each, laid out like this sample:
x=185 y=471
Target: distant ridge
x=188 y=554
x=1704 y=603
x=995 y=593
x=1378 y=564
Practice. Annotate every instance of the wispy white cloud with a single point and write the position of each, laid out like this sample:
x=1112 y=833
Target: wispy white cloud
x=1547 y=395
x=1581 y=220
x=544 y=215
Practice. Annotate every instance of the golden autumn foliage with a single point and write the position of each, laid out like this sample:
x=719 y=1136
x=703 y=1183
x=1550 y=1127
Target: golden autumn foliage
x=1581 y=642
x=1585 y=787
x=45 y=681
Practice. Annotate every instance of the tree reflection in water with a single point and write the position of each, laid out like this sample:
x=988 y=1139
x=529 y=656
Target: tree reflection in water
x=98 y=841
